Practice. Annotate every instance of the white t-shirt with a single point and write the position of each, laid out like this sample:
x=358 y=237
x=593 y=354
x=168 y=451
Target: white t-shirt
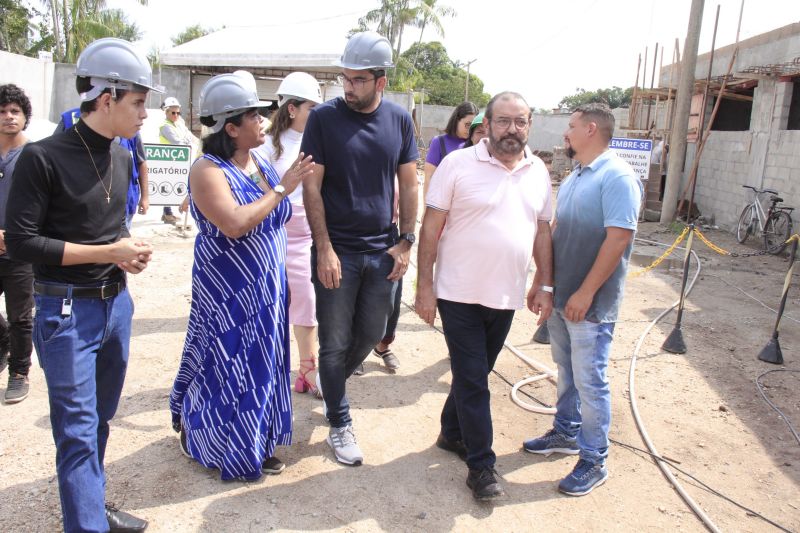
x=486 y=247
x=290 y=140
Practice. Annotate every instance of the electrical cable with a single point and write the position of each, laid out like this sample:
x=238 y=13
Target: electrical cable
x=635 y=408
x=752 y=297
x=764 y=395
x=652 y=452
x=674 y=465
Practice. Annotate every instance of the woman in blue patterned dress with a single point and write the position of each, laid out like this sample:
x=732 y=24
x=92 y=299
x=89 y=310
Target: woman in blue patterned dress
x=231 y=398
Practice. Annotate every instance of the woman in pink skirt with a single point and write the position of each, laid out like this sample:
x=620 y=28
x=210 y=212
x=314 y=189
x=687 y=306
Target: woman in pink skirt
x=297 y=94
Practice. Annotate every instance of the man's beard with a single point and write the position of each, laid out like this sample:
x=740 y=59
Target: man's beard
x=570 y=152
x=359 y=104
x=511 y=143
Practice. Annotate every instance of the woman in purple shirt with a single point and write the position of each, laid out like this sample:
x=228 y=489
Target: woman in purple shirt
x=455 y=133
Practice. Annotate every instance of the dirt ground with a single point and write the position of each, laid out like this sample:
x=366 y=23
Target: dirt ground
x=701 y=409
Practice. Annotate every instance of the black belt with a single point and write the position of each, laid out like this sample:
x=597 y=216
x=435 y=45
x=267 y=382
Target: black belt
x=103 y=292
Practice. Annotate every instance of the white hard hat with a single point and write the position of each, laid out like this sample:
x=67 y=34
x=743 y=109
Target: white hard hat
x=365 y=50
x=112 y=63
x=227 y=95
x=301 y=86
x=171 y=101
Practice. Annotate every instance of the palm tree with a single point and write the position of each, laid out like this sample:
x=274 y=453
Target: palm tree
x=76 y=23
x=391 y=17
x=431 y=13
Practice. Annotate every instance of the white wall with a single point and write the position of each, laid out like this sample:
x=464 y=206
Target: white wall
x=34 y=76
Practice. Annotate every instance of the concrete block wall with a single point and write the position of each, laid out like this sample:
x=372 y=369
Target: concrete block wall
x=782 y=171
x=724 y=167
x=767 y=156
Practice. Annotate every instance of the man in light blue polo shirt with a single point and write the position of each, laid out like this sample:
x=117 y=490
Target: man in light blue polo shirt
x=596 y=214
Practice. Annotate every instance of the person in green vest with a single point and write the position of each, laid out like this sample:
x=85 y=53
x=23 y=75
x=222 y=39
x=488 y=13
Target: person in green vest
x=174 y=131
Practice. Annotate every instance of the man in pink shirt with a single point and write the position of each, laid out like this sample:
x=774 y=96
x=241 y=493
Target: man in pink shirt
x=493 y=202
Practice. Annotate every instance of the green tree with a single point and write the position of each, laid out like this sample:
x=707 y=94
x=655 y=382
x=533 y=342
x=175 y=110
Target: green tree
x=190 y=34
x=390 y=19
x=614 y=97
x=442 y=79
x=430 y=13
x=19 y=33
x=76 y=23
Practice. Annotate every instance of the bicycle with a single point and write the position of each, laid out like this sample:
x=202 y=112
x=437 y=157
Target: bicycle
x=775 y=225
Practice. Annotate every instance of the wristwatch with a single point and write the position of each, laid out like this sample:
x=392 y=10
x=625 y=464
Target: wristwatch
x=410 y=237
x=546 y=288
x=280 y=189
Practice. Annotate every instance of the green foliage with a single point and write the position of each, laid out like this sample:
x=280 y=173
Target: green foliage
x=614 y=97
x=426 y=57
x=76 y=23
x=190 y=34
x=444 y=82
x=20 y=33
x=424 y=65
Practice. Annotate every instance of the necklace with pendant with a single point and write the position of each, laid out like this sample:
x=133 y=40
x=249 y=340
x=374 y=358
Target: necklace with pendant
x=111 y=159
x=255 y=177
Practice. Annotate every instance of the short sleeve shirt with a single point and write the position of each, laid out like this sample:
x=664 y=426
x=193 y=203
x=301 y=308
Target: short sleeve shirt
x=492 y=213
x=361 y=153
x=435 y=154
x=606 y=193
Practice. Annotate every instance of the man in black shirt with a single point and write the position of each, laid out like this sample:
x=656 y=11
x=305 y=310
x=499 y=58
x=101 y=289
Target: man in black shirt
x=66 y=215
x=16 y=277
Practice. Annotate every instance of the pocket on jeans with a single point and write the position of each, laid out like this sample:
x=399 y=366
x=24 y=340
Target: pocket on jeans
x=49 y=321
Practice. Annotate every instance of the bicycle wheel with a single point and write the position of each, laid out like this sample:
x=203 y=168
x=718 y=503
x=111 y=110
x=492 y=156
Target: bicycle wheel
x=745 y=227
x=777 y=231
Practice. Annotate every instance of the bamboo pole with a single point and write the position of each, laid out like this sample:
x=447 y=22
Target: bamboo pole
x=632 y=115
x=701 y=124
x=652 y=81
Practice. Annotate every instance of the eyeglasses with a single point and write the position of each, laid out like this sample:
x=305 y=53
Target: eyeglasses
x=505 y=122
x=357 y=83
x=178 y=113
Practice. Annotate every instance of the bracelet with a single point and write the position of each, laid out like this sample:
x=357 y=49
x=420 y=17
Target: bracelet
x=546 y=288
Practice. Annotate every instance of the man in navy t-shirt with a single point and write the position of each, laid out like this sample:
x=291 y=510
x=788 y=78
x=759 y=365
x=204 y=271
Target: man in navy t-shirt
x=359 y=143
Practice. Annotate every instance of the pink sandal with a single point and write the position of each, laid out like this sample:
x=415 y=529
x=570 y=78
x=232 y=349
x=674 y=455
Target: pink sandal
x=302 y=384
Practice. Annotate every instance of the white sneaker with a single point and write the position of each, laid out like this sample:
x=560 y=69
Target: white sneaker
x=319 y=388
x=343 y=442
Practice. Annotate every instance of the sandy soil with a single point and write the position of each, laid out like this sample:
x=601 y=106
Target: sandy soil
x=701 y=409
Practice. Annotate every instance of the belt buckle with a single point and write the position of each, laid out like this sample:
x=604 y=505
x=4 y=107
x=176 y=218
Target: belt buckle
x=103 y=295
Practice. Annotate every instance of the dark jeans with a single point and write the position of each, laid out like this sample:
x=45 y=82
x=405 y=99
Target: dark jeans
x=352 y=319
x=475 y=336
x=391 y=325
x=16 y=281
x=84 y=355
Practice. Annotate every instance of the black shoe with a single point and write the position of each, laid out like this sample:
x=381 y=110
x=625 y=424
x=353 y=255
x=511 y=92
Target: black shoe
x=122 y=522
x=184 y=447
x=484 y=485
x=455 y=446
x=18 y=387
x=272 y=466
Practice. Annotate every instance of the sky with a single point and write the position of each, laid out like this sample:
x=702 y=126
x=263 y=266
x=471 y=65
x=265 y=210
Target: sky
x=544 y=50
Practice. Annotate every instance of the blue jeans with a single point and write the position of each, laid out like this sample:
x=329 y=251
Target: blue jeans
x=352 y=319
x=583 y=410
x=394 y=318
x=475 y=335
x=84 y=355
